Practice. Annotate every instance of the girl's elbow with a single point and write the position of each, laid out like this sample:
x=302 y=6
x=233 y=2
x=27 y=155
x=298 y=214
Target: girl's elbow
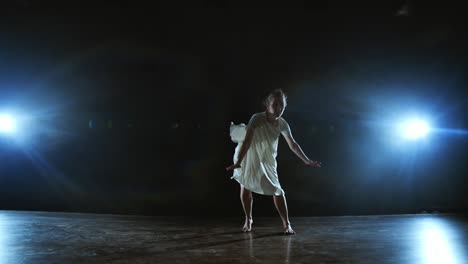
x=292 y=148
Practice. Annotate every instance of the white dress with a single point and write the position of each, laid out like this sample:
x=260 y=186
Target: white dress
x=258 y=168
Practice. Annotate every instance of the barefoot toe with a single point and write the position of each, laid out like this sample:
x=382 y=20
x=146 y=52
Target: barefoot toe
x=289 y=231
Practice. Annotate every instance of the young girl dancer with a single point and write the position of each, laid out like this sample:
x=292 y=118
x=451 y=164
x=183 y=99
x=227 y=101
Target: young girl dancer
x=255 y=158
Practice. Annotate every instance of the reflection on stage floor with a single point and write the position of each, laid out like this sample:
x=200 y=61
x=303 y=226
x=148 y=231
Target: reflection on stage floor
x=46 y=237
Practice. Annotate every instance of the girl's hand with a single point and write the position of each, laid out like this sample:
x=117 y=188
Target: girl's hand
x=233 y=166
x=313 y=163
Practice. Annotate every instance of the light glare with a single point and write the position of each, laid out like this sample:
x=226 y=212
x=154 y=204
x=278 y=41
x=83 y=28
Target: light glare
x=7 y=124
x=414 y=129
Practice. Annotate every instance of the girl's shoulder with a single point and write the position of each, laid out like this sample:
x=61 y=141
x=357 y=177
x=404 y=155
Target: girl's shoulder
x=257 y=119
x=259 y=115
x=283 y=124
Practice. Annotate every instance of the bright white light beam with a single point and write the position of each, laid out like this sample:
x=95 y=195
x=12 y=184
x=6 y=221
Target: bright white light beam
x=7 y=124
x=414 y=129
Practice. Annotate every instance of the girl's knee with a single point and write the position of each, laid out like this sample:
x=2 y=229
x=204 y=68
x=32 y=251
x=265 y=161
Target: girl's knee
x=245 y=193
x=281 y=196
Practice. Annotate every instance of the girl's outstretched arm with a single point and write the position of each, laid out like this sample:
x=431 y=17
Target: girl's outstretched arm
x=245 y=146
x=298 y=151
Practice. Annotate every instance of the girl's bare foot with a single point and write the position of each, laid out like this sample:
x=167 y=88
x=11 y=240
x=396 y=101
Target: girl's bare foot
x=288 y=230
x=248 y=225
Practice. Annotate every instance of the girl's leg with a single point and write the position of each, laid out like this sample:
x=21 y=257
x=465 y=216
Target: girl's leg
x=281 y=206
x=247 y=201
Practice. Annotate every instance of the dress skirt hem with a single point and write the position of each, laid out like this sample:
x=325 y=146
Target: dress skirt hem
x=277 y=192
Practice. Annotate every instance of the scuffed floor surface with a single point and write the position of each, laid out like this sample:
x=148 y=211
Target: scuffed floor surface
x=44 y=237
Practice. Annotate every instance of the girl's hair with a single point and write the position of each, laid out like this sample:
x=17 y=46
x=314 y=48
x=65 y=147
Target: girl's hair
x=274 y=94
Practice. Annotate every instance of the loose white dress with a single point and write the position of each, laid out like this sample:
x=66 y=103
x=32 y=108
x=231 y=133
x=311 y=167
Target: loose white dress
x=258 y=168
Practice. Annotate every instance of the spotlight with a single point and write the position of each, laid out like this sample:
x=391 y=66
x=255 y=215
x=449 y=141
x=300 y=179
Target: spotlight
x=414 y=129
x=7 y=124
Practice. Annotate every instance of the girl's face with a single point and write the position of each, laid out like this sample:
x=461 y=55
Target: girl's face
x=276 y=106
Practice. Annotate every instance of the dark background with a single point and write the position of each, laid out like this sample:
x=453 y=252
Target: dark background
x=129 y=105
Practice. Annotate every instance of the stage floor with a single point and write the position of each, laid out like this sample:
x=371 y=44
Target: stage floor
x=44 y=237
